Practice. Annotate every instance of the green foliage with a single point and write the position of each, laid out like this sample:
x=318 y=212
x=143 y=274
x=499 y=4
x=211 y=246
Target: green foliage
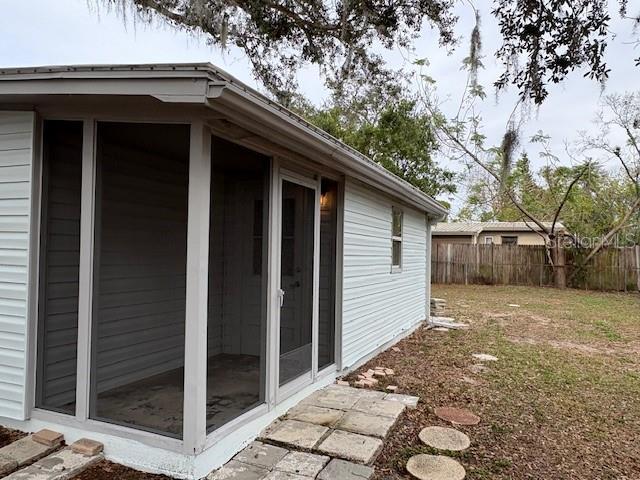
x=542 y=42
x=394 y=133
x=593 y=207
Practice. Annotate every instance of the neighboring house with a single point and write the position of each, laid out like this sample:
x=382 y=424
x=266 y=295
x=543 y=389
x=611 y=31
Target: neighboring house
x=181 y=260
x=497 y=233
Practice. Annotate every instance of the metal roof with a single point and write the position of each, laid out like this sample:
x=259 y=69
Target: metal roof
x=474 y=228
x=219 y=80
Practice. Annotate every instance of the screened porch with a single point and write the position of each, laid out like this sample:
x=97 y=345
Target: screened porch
x=184 y=280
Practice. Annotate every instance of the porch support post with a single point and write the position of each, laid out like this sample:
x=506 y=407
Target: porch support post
x=273 y=284
x=85 y=290
x=195 y=364
x=427 y=272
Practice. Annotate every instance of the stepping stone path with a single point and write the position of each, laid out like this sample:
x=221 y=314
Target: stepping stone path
x=409 y=401
x=457 y=416
x=485 y=357
x=334 y=434
x=296 y=433
x=435 y=467
x=351 y=446
x=446 y=322
x=341 y=470
x=443 y=438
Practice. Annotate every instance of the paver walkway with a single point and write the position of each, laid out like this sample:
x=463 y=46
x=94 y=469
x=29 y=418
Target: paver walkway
x=41 y=457
x=334 y=434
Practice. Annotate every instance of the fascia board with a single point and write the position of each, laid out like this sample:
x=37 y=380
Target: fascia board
x=175 y=90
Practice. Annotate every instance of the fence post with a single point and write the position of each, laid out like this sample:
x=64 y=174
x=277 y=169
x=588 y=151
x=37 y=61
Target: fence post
x=437 y=280
x=638 y=266
x=493 y=267
x=449 y=263
x=477 y=269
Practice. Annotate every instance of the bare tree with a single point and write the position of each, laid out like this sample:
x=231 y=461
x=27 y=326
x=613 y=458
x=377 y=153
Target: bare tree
x=619 y=117
x=461 y=136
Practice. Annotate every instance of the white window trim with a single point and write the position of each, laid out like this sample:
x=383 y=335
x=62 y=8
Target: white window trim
x=488 y=240
x=395 y=238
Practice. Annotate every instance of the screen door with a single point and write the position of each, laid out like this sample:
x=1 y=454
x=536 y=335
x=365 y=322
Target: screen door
x=297 y=252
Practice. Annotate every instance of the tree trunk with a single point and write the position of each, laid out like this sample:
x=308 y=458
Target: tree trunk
x=559 y=266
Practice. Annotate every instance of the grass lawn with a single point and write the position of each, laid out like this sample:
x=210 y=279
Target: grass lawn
x=562 y=402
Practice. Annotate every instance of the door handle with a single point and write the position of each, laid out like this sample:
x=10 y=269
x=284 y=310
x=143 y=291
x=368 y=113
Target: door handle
x=281 y=297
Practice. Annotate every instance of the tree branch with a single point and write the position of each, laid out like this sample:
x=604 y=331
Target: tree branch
x=603 y=241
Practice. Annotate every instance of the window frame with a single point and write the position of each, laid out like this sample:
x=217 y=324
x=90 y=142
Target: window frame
x=488 y=240
x=397 y=268
x=510 y=241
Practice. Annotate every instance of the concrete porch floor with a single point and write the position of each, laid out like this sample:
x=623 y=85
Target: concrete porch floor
x=233 y=387
x=334 y=434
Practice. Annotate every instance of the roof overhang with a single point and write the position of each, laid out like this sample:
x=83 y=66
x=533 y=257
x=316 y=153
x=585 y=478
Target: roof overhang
x=204 y=84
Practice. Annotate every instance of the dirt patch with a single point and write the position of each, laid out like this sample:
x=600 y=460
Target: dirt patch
x=111 y=471
x=8 y=436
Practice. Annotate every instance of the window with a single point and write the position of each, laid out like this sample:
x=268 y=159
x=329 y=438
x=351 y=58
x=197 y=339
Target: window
x=510 y=240
x=488 y=240
x=396 y=240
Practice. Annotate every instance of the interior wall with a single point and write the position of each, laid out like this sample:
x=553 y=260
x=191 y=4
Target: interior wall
x=59 y=266
x=327 y=293
x=236 y=327
x=141 y=248
x=237 y=237
x=235 y=290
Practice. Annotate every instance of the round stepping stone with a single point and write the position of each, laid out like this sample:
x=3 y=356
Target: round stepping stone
x=435 y=467
x=457 y=416
x=484 y=357
x=444 y=438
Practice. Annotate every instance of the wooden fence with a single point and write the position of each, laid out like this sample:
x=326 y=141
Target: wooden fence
x=616 y=269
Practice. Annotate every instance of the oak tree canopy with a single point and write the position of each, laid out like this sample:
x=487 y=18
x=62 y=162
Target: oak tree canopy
x=542 y=40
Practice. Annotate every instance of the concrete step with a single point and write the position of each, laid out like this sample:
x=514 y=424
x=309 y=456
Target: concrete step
x=28 y=449
x=63 y=464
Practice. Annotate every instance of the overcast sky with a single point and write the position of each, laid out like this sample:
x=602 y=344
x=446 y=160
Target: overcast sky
x=46 y=32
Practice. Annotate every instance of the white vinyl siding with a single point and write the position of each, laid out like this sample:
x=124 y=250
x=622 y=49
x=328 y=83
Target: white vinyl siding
x=16 y=159
x=378 y=305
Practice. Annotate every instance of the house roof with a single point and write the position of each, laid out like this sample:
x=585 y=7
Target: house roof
x=203 y=83
x=475 y=228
